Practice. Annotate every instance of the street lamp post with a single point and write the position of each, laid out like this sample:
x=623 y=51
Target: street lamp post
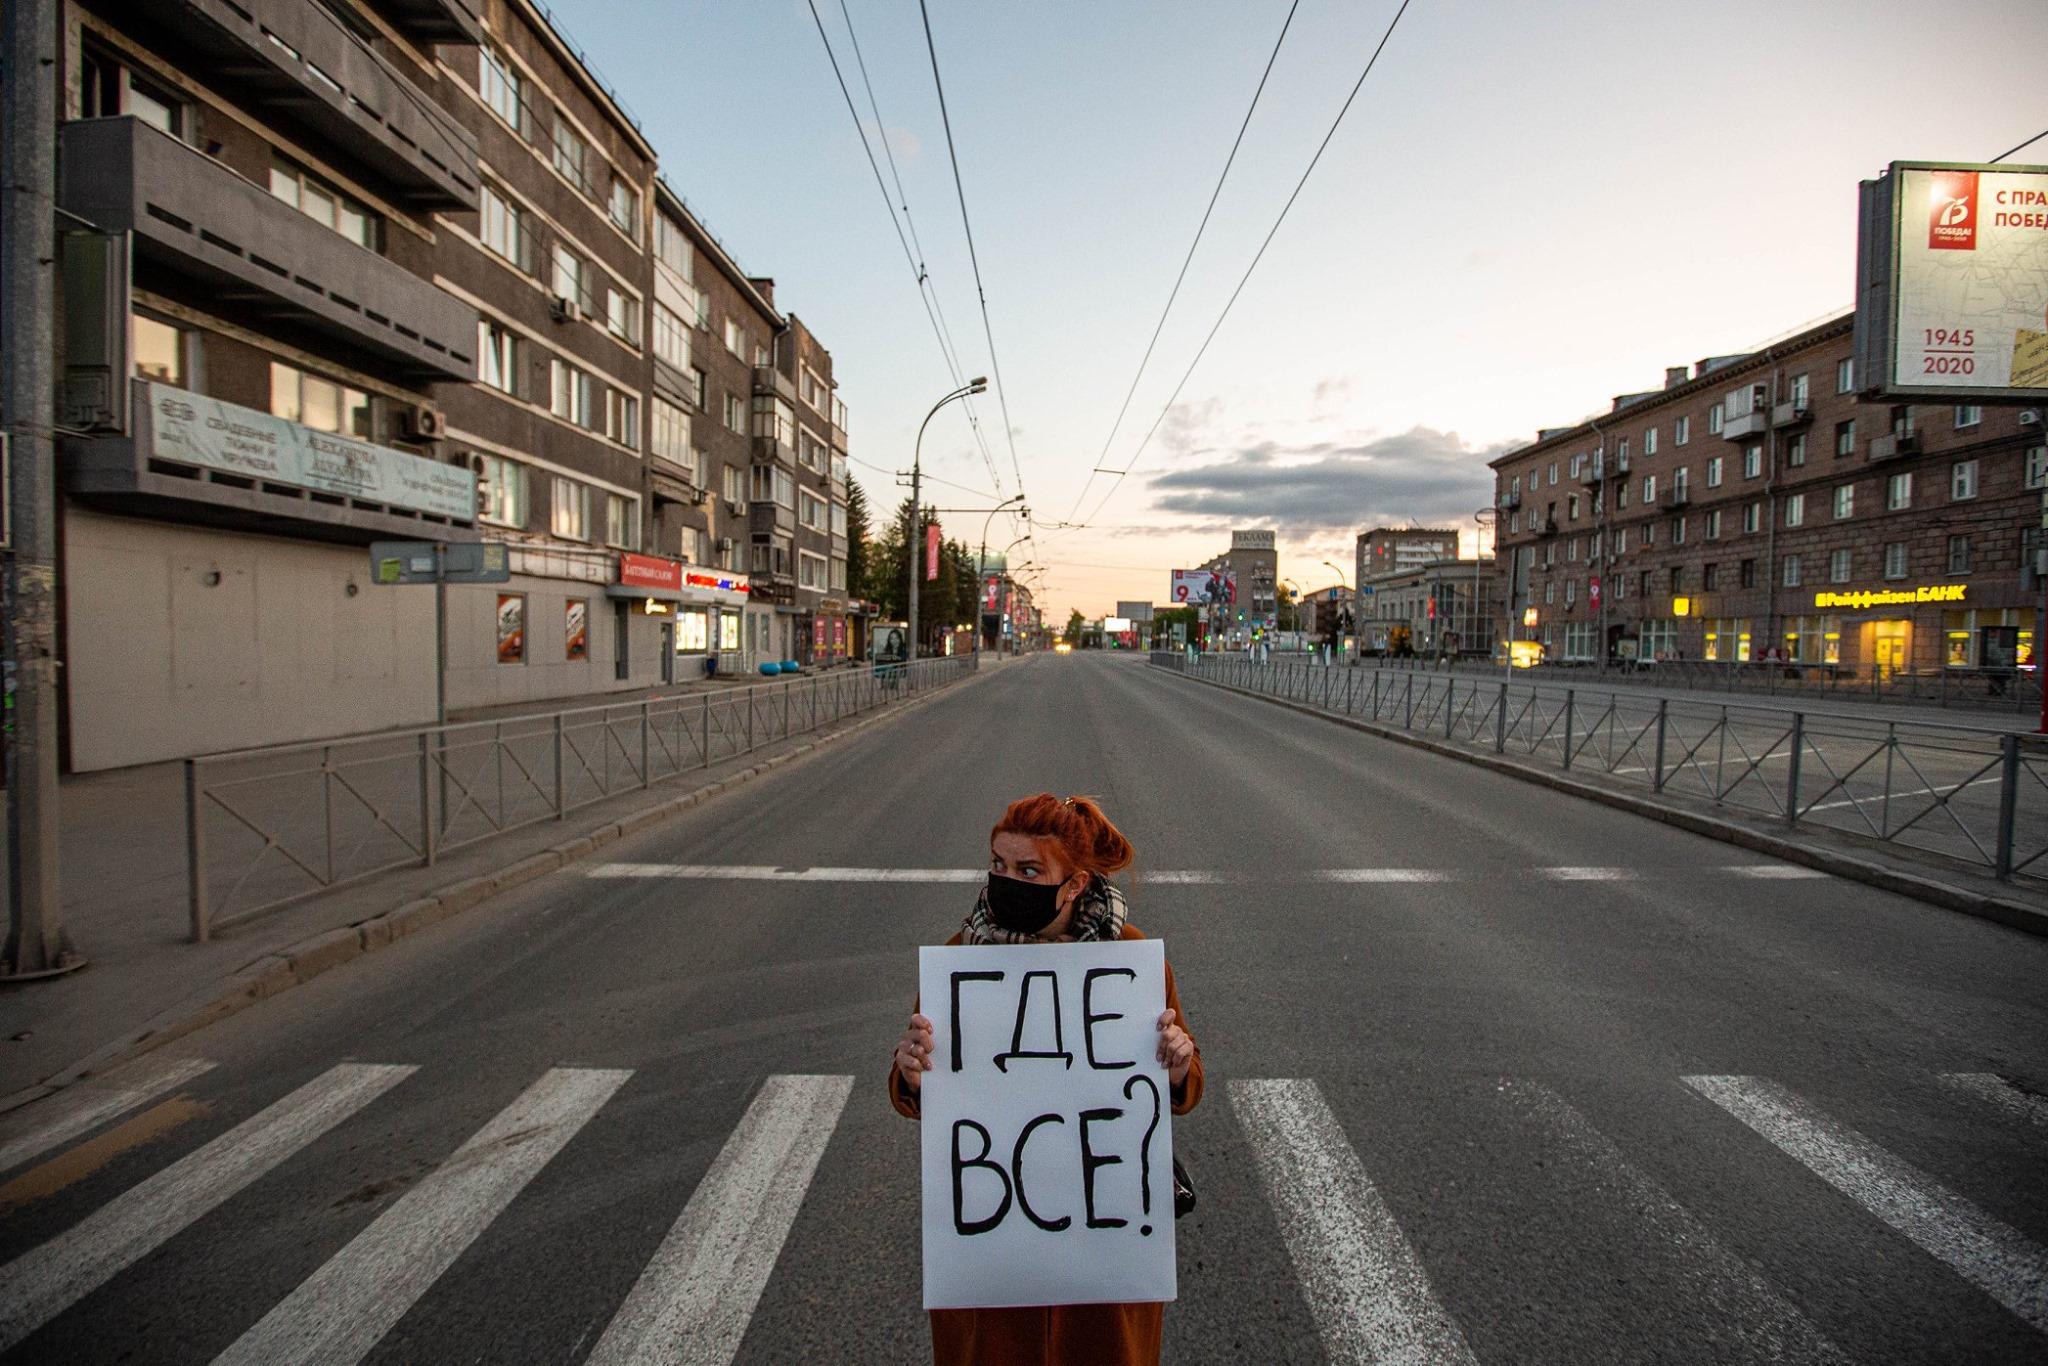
x=973 y=386
x=981 y=568
x=1485 y=517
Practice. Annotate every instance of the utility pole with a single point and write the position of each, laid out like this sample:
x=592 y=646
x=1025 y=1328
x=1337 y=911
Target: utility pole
x=973 y=386
x=36 y=943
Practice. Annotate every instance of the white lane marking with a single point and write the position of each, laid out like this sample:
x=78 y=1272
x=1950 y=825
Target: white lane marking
x=1366 y=1290
x=1384 y=875
x=1877 y=798
x=341 y=1311
x=1772 y=871
x=692 y=1303
x=740 y=872
x=1731 y=1293
x=88 y=1104
x=1588 y=874
x=1188 y=877
x=1992 y=1256
x=38 y=1285
x=1989 y=1086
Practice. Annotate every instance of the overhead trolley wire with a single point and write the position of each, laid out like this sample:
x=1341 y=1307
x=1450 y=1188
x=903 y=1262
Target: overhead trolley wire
x=1256 y=258
x=1186 y=261
x=2021 y=148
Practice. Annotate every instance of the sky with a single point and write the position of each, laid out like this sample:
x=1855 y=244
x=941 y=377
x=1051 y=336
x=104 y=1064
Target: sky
x=1528 y=209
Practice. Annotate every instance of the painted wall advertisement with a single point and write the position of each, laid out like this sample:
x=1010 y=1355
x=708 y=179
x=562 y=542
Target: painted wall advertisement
x=1953 y=275
x=196 y=430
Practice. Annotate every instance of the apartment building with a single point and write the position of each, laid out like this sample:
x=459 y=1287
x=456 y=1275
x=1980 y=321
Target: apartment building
x=1762 y=506
x=340 y=271
x=1384 y=549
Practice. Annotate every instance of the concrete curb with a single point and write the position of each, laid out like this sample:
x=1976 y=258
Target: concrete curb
x=2004 y=910
x=295 y=964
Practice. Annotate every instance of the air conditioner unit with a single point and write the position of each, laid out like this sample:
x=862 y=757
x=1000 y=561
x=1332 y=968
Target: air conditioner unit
x=725 y=545
x=563 y=309
x=2030 y=417
x=422 y=423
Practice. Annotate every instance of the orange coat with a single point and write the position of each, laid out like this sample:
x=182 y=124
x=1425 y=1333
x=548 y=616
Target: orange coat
x=1108 y=1334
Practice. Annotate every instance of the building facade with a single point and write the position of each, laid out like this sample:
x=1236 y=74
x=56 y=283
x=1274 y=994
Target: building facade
x=1252 y=557
x=1437 y=609
x=1384 y=550
x=1763 y=507
x=405 y=270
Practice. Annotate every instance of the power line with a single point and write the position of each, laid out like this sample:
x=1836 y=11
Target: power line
x=1256 y=258
x=995 y=366
x=1186 y=261
x=2021 y=148
x=929 y=478
x=925 y=292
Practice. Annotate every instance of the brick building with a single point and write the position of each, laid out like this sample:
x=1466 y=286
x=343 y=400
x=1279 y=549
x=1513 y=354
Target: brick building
x=1442 y=608
x=1761 y=503
x=1383 y=549
x=1253 y=558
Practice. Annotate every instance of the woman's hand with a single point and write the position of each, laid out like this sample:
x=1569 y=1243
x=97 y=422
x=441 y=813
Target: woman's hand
x=1176 y=1049
x=914 y=1052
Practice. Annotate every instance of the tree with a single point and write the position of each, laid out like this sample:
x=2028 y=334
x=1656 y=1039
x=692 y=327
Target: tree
x=856 y=537
x=1076 y=624
x=942 y=603
x=1289 y=614
x=1165 y=618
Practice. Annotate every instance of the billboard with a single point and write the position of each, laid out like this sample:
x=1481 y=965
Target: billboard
x=1204 y=587
x=1135 y=611
x=1116 y=626
x=1952 y=282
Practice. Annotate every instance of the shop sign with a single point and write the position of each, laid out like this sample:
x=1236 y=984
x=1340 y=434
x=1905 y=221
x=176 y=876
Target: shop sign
x=193 y=429
x=647 y=571
x=705 y=578
x=1894 y=597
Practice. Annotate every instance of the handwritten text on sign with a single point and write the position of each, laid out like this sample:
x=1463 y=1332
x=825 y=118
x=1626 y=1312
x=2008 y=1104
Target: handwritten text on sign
x=1047 y=1133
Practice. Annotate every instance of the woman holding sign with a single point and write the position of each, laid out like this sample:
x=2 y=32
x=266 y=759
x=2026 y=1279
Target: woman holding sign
x=1048 y=883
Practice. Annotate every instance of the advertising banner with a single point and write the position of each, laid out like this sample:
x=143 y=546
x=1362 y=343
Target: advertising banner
x=1134 y=611
x=931 y=551
x=196 y=430
x=1952 y=290
x=648 y=571
x=1204 y=587
x=1047 y=1135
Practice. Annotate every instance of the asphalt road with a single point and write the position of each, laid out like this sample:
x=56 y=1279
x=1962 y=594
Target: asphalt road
x=1494 y=1076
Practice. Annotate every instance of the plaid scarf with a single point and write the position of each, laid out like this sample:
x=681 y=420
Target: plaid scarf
x=1099 y=915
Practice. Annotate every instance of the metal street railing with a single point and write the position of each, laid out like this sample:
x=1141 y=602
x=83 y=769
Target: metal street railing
x=1969 y=794
x=268 y=827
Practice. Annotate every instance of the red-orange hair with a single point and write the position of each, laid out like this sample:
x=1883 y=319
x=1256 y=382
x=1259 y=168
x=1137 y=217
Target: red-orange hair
x=1076 y=827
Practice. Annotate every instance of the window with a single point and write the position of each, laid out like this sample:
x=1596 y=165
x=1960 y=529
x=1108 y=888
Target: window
x=839 y=519
x=2037 y=467
x=735 y=338
x=571 y=518
x=815 y=391
x=1746 y=574
x=811 y=510
x=1845 y=376
x=735 y=414
x=1962 y=480
x=1621 y=495
x=1516 y=486
x=622 y=418
x=670 y=438
x=700 y=387
x=504 y=228
x=1678 y=530
x=625 y=209
x=158 y=348
x=1677 y=578
x=501 y=488
x=1649 y=534
x=671 y=247
x=1845 y=438
x=1621 y=540
x=575 y=279
x=1752 y=516
x=1514 y=521
x=773 y=484
x=774 y=419
x=1549 y=591
x=324 y=204
x=1714 y=420
x=572 y=155
x=1895 y=560
x=1968 y=415
x=1959 y=554
x=1571 y=507
x=569 y=393
x=1791 y=571
x=1710 y=578
x=735 y=492
x=1839 y=564
x=690 y=544
x=1571 y=591
x=110 y=89
x=621 y=521
x=1795 y=509
x=1571 y=550
x=1802 y=392
x=504 y=90
x=1902 y=419
x=319 y=403
x=1752 y=461
x=1649 y=489
x=811 y=570
x=1650 y=441
x=671 y=339
x=1679 y=479
x=1795 y=450
x=1714 y=524
x=497 y=357
x=1714 y=472
x=622 y=316
x=1845 y=501
x=1681 y=431
x=1578 y=464
x=1898 y=492
x=838 y=584
x=811 y=453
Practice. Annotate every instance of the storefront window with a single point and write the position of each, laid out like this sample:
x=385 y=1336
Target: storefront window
x=693 y=630
x=729 y=631
x=1659 y=640
x=1958 y=649
x=1728 y=641
x=159 y=350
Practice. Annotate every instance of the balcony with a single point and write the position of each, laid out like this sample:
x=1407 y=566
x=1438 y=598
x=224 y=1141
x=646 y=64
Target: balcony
x=197 y=459
x=199 y=219
x=766 y=517
x=1894 y=444
x=1791 y=415
x=437 y=21
x=1755 y=422
x=1510 y=500
x=304 y=67
x=1546 y=526
x=1677 y=496
x=1593 y=475
x=773 y=450
x=769 y=380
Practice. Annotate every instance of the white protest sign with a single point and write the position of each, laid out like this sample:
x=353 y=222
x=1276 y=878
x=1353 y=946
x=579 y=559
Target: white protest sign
x=1047 y=1126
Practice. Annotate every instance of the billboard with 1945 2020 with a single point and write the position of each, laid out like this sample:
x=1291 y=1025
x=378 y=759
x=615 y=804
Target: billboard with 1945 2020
x=1952 y=282
x=1204 y=587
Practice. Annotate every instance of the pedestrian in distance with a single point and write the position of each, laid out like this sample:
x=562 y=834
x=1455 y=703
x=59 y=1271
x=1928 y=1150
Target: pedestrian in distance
x=1050 y=861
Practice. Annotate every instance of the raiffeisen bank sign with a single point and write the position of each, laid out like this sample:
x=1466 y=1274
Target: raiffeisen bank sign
x=1894 y=597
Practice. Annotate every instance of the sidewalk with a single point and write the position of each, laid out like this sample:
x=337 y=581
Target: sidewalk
x=122 y=855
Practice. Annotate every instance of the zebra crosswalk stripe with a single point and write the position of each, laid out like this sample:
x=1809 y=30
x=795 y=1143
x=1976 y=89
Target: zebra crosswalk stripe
x=1366 y=1289
x=341 y=1311
x=2002 y=1095
x=40 y=1284
x=89 y=1104
x=692 y=1303
x=1991 y=1255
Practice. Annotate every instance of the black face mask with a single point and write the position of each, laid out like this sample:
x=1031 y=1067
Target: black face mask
x=1022 y=907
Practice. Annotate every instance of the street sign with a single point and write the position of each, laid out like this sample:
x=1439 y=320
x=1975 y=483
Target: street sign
x=410 y=562
x=1593 y=592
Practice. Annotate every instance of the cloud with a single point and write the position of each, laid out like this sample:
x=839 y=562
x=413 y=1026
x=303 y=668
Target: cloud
x=904 y=143
x=1420 y=475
